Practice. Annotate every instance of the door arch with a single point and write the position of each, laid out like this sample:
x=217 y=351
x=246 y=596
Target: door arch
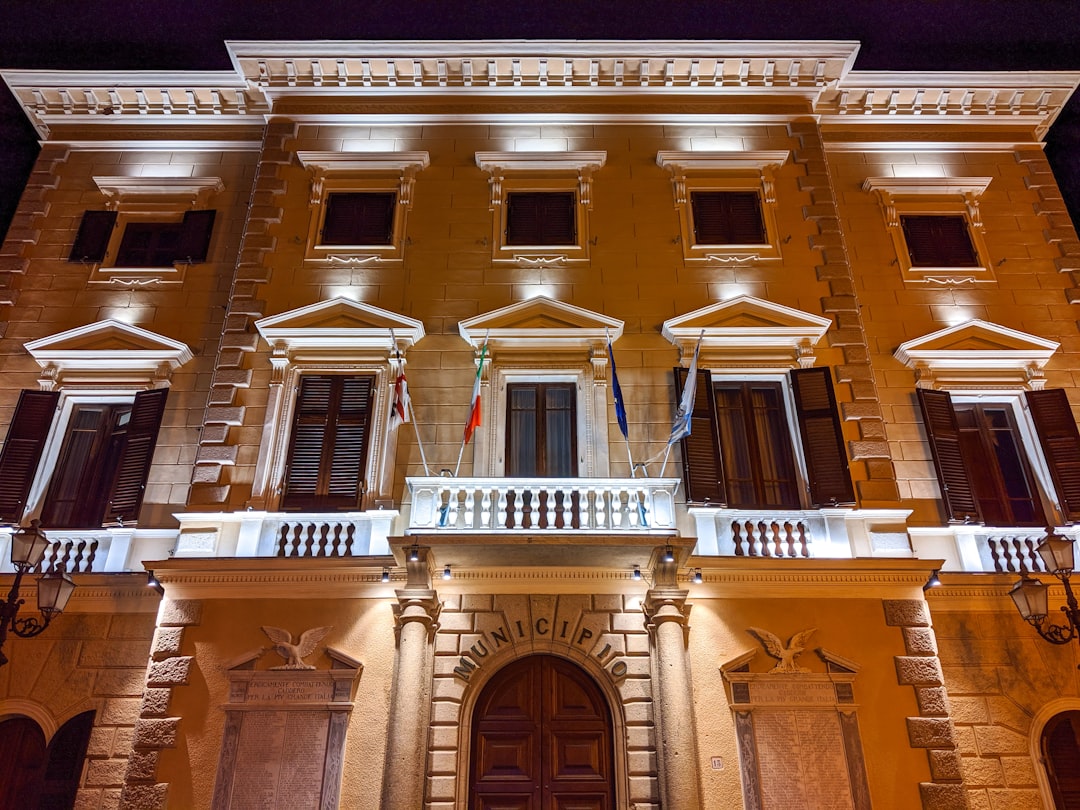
x=541 y=739
x=1060 y=748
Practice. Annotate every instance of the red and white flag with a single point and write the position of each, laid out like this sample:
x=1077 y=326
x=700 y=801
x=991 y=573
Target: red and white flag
x=399 y=410
x=474 y=413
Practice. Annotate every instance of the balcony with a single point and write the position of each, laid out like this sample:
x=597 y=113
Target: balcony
x=542 y=505
x=106 y=551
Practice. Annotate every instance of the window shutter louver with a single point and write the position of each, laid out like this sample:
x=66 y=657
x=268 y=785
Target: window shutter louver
x=195 y=237
x=359 y=218
x=1060 y=442
x=703 y=469
x=727 y=218
x=943 y=433
x=541 y=218
x=822 y=437
x=138 y=451
x=92 y=240
x=22 y=450
x=938 y=241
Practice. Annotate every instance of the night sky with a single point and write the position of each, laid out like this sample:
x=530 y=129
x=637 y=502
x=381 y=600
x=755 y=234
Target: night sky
x=898 y=35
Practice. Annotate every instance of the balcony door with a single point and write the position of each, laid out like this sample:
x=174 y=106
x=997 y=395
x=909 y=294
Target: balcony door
x=541 y=740
x=541 y=429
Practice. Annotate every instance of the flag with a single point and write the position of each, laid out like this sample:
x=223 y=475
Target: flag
x=616 y=391
x=399 y=410
x=681 y=428
x=474 y=413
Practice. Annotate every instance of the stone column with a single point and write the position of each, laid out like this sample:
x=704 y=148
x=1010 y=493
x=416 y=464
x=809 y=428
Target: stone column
x=415 y=615
x=666 y=612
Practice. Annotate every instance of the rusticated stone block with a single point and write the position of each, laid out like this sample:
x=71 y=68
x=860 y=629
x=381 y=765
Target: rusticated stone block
x=167 y=642
x=942 y=797
x=144 y=797
x=105 y=772
x=217 y=454
x=155 y=702
x=997 y=740
x=1015 y=799
x=156 y=733
x=906 y=613
x=912 y=670
x=142 y=767
x=933 y=701
x=180 y=612
x=930 y=732
x=920 y=641
x=944 y=765
x=206 y=474
x=170 y=672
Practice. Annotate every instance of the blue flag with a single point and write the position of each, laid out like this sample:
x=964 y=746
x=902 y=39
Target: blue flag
x=616 y=391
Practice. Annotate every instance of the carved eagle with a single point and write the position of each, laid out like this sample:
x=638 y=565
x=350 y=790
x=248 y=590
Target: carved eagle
x=775 y=647
x=294 y=654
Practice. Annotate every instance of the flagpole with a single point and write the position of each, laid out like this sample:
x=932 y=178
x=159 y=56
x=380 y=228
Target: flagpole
x=408 y=400
x=419 y=443
x=617 y=397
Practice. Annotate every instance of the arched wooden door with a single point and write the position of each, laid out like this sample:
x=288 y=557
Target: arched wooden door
x=541 y=740
x=1061 y=753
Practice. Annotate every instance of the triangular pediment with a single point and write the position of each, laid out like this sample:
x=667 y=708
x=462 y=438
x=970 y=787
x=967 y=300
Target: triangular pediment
x=340 y=325
x=540 y=323
x=748 y=331
x=977 y=353
x=108 y=352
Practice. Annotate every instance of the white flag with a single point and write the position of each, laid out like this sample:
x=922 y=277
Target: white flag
x=681 y=428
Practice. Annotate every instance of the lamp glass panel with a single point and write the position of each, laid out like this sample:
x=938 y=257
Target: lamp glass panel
x=54 y=591
x=1030 y=597
x=1057 y=553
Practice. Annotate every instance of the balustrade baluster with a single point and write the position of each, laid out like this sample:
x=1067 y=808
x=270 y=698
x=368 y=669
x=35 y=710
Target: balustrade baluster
x=454 y=507
x=501 y=516
x=789 y=540
x=91 y=556
x=600 y=508
x=485 y=508
x=519 y=510
x=550 y=495
x=737 y=539
x=568 y=508
x=774 y=532
x=804 y=549
x=583 y=507
x=470 y=507
x=350 y=539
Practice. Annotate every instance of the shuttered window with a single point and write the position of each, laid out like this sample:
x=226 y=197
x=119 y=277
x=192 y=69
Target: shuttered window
x=739 y=452
x=329 y=444
x=938 y=241
x=541 y=430
x=92 y=240
x=144 y=244
x=541 y=218
x=359 y=218
x=22 y=450
x=983 y=467
x=727 y=218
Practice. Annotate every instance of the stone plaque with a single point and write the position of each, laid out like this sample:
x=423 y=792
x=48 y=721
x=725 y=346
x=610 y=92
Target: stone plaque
x=284 y=740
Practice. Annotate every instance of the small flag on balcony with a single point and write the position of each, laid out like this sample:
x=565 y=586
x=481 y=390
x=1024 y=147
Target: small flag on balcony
x=474 y=413
x=681 y=428
x=399 y=410
x=616 y=392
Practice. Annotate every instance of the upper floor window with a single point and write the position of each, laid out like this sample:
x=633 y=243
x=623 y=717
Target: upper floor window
x=541 y=429
x=727 y=218
x=541 y=218
x=940 y=240
x=358 y=218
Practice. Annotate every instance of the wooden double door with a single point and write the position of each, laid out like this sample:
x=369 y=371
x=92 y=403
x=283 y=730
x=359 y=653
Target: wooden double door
x=541 y=740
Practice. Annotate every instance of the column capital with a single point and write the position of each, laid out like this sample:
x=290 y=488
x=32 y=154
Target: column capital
x=419 y=605
x=665 y=605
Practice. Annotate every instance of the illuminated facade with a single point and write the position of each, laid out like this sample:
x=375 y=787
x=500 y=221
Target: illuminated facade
x=863 y=282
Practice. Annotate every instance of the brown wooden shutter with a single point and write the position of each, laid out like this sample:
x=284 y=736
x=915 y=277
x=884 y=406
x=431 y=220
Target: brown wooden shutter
x=92 y=240
x=943 y=433
x=727 y=218
x=541 y=218
x=134 y=464
x=328 y=451
x=703 y=469
x=1061 y=445
x=822 y=437
x=939 y=241
x=22 y=450
x=359 y=218
x=195 y=237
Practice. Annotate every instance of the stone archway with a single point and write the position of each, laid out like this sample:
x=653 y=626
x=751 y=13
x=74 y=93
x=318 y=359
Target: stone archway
x=1060 y=749
x=542 y=737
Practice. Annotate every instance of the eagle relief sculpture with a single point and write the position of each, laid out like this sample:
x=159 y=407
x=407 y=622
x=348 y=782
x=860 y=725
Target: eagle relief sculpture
x=294 y=654
x=787 y=655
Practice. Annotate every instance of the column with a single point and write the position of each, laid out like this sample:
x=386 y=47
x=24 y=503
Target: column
x=666 y=613
x=415 y=616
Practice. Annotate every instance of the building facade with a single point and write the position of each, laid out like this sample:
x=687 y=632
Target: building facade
x=852 y=293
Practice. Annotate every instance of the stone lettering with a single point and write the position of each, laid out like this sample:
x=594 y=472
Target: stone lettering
x=464 y=668
x=542 y=630
x=498 y=637
x=585 y=633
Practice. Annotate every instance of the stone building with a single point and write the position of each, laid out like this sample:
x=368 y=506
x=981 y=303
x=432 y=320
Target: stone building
x=862 y=285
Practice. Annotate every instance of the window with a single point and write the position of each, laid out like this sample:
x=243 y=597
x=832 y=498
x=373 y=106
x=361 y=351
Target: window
x=740 y=454
x=541 y=218
x=982 y=465
x=328 y=449
x=727 y=218
x=359 y=204
x=100 y=473
x=359 y=218
x=541 y=202
x=540 y=430
x=936 y=226
x=726 y=203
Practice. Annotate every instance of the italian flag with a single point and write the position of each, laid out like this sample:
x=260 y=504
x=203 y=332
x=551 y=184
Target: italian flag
x=474 y=413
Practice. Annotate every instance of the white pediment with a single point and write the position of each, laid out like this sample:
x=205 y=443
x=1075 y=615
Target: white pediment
x=977 y=354
x=540 y=324
x=339 y=327
x=748 y=331
x=109 y=353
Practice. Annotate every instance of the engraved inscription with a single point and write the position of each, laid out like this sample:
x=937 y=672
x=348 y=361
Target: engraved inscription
x=289 y=691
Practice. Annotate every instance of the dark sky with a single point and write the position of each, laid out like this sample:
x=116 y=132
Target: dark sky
x=897 y=35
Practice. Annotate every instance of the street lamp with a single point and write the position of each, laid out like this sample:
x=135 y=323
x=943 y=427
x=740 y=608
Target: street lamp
x=1030 y=594
x=54 y=588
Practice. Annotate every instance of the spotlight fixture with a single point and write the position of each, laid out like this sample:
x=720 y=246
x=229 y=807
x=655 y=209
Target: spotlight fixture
x=152 y=582
x=636 y=576
x=669 y=554
x=933 y=582
x=446 y=572
x=697 y=576
x=414 y=553
x=386 y=575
